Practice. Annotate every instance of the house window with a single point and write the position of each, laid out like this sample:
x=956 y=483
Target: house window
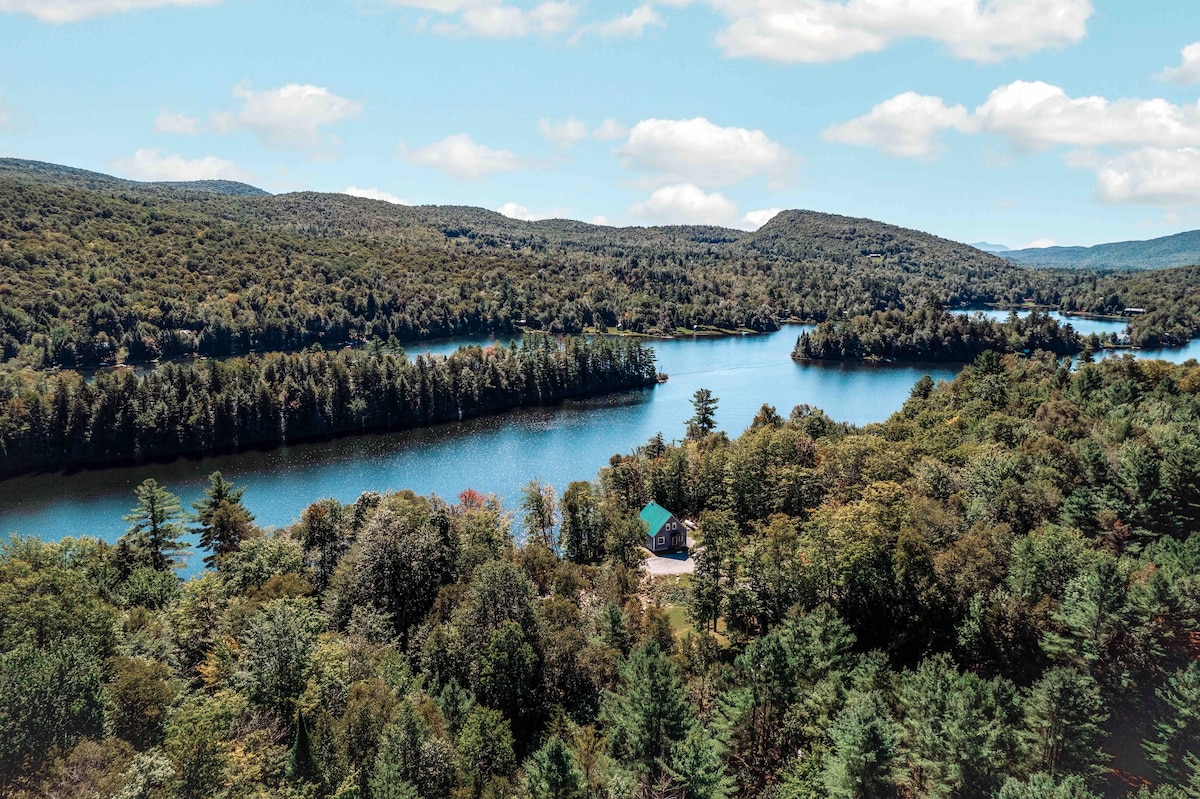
x=661 y=540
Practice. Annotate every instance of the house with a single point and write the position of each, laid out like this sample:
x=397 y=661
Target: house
x=663 y=531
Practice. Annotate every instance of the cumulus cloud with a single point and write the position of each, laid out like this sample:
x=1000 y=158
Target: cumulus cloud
x=906 y=125
x=1151 y=175
x=60 y=11
x=1142 y=151
x=609 y=130
x=153 y=164
x=518 y=211
x=167 y=122
x=290 y=117
x=563 y=134
x=461 y=158
x=1037 y=116
x=686 y=204
x=495 y=19
x=375 y=194
x=626 y=26
x=753 y=220
x=695 y=151
x=1188 y=70
x=814 y=31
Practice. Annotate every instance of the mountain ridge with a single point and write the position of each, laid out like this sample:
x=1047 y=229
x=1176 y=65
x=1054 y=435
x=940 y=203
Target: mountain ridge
x=1164 y=252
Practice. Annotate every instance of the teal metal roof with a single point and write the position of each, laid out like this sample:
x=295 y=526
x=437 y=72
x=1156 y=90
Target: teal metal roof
x=655 y=516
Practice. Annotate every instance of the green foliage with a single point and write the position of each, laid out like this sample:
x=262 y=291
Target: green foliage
x=222 y=522
x=54 y=419
x=864 y=740
x=157 y=527
x=48 y=698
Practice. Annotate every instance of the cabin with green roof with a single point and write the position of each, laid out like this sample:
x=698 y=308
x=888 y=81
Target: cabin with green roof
x=664 y=533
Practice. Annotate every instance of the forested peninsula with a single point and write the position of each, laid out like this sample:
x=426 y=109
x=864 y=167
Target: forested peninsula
x=97 y=270
x=932 y=334
x=59 y=419
x=994 y=594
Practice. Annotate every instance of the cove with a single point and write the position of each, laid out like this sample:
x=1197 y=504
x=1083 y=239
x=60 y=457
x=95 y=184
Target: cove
x=495 y=454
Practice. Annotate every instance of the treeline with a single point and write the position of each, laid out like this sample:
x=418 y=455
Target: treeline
x=57 y=419
x=94 y=272
x=992 y=595
x=932 y=334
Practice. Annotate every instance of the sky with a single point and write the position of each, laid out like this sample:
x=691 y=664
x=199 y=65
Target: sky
x=1016 y=122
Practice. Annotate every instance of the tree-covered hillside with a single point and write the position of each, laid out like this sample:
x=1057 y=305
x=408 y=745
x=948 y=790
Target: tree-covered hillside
x=1180 y=249
x=995 y=594
x=94 y=269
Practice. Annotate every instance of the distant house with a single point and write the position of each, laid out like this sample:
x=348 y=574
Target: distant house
x=663 y=531
x=1131 y=311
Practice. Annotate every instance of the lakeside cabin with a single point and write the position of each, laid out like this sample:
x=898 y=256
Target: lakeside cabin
x=664 y=533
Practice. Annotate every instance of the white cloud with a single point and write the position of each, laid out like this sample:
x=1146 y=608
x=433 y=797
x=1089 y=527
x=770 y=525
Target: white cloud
x=74 y=10
x=814 y=31
x=563 y=134
x=518 y=211
x=1151 y=175
x=1037 y=116
x=460 y=158
x=906 y=125
x=686 y=204
x=152 y=164
x=697 y=151
x=753 y=220
x=167 y=122
x=1188 y=70
x=292 y=116
x=631 y=25
x=494 y=19
x=375 y=194
x=1038 y=244
x=1142 y=151
x=601 y=219
x=610 y=129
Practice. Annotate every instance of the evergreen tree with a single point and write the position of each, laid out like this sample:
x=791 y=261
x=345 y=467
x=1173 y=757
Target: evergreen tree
x=1064 y=718
x=862 y=761
x=222 y=521
x=1177 y=731
x=157 y=527
x=647 y=713
x=551 y=773
x=704 y=421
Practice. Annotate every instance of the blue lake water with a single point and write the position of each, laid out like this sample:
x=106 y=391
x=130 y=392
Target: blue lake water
x=496 y=454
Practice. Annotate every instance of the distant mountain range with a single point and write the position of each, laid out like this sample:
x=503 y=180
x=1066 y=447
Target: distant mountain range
x=983 y=245
x=1181 y=249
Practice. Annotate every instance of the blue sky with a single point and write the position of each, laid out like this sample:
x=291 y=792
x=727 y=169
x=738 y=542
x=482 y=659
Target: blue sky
x=1009 y=121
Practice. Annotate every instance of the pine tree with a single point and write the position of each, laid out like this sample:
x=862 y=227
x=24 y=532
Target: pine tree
x=862 y=762
x=157 y=527
x=551 y=773
x=1177 y=731
x=704 y=421
x=1064 y=718
x=648 y=713
x=223 y=523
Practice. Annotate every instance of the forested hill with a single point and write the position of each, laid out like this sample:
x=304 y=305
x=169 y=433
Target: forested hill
x=55 y=174
x=95 y=269
x=1181 y=249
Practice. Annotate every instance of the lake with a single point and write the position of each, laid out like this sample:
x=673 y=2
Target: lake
x=495 y=454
